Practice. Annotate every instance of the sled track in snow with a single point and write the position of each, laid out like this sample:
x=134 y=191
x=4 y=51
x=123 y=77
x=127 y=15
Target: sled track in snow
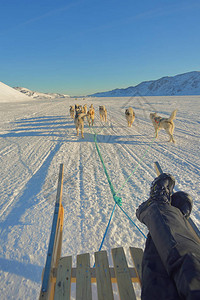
x=165 y=149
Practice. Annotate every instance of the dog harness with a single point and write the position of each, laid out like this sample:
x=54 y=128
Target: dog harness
x=158 y=120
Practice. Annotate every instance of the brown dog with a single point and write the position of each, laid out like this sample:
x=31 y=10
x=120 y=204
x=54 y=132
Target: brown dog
x=90 y=115
x=85 y=108
x=72 y=111
x=164 y=123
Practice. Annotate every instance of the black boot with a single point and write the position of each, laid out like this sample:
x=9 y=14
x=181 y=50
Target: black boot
x=162 y=187
x=183 y=201
x=160 y=192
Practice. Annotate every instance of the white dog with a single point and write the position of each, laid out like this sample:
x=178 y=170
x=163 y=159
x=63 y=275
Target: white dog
x=79 y=120
x=130 y=116
x=165 y=123
x=103 y=113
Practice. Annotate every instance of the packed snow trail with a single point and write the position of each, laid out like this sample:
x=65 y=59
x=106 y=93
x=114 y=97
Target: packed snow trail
x=36 y=136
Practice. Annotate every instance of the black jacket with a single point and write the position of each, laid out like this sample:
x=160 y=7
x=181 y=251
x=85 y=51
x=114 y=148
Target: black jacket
x=178 y=249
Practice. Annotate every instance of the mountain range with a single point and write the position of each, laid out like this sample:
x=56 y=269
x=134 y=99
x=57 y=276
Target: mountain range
x=34 y=94
x=179 y=85
x=182 y=84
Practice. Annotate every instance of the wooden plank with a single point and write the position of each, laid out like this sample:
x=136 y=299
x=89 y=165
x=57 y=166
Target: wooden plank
x=158 y=168
x=104 y=285
x=60 y=185
x=59 y=245
x=83 y=278
x=137 y=255
x=63 y=280
x=54 y=243
x=124 y=283
x=132 y=271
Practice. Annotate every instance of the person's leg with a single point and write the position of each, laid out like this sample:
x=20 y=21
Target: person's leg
x=175 y=243
x=156 y=283
x=183 y=201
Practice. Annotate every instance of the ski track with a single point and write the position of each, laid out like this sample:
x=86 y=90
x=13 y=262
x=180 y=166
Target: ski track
x=40 y=136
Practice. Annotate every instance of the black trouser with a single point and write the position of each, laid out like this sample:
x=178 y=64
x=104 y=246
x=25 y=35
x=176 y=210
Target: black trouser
x=156 y=283
x=177 y=247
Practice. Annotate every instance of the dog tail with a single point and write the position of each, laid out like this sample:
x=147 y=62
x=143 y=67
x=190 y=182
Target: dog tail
x=173 y=115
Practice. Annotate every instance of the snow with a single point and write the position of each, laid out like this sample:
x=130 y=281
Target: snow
x=8 y=94
x=37 y=135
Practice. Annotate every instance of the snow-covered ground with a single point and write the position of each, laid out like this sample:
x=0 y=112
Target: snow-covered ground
x=37 y=135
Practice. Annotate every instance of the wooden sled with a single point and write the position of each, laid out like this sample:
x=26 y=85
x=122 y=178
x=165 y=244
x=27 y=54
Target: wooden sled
x=58 y=273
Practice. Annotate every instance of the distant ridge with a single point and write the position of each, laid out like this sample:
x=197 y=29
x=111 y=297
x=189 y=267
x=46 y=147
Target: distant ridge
x=182 y=84
x=34 y=94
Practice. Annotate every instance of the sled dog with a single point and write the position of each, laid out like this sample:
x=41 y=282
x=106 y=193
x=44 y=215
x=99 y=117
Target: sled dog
x=85 y=108
x=79 y=120
x=130 y=116
x=72 y=111
x=164 y=123
x=90 y=115
x=79 y=107
x=103 y=113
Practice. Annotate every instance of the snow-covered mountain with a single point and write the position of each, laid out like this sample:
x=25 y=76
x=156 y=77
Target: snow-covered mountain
x=34 y=94
x=183 y=84
x=8 y=94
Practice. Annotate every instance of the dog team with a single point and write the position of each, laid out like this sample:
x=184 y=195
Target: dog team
x=79 y=112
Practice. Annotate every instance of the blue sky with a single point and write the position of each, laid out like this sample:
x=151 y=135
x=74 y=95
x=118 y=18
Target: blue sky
x=86 y=46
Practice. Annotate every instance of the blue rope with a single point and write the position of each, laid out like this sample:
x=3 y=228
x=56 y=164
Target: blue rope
x=115 y=197
x=132 y=222
x=107 y=227
x=106 y=230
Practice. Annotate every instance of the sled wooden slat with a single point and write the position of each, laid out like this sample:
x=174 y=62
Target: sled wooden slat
x=63 y=280
x=59 y=275
x=103 y=278
x=132 y=272
x=124 y=283
x=83 y=277
x=101 y=274
x=137 y=255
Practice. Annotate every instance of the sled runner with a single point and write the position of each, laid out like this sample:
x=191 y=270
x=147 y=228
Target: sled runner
x=58 y=273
